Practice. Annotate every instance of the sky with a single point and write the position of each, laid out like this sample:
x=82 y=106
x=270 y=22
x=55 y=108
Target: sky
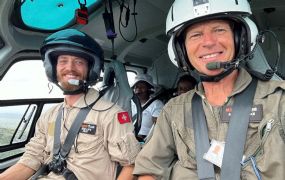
x=27 y=79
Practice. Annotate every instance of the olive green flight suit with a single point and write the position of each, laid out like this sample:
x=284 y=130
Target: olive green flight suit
x=170 y=153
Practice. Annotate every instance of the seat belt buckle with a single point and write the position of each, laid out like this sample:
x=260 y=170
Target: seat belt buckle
x=58 y=164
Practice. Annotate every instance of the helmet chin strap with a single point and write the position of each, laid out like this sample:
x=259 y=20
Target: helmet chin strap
x=228 y=67
x=200 y=77
x=78 y=91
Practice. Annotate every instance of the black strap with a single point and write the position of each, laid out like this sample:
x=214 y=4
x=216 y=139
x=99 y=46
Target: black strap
x=237 y=132
x=62 y=152
x=137 y=118
x=42 y=171
x=235 y=140
x=56 y=142
x=205 y=168
x=72 y=133
x=69 y=175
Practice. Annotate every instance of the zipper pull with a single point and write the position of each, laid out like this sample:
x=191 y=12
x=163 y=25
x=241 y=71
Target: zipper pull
x=269 y=125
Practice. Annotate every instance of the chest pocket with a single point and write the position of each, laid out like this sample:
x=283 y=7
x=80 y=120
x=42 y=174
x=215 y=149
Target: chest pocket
x=89 y=138
x=184 y=141
x=264 y=130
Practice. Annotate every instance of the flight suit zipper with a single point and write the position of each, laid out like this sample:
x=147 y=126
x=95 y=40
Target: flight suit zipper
x=264 y=133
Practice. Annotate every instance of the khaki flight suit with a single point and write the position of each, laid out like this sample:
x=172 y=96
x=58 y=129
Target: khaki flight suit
x=170 y=153
x=93 y=156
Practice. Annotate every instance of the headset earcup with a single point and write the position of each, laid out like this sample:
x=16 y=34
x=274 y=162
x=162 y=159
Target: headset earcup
x=184 y=62
x=49 y=65
x=240 y=39
x=237 y=37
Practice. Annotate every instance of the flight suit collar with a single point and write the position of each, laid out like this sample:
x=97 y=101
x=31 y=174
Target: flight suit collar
x=265 y=87
x=269 y=87
x=82 y=102
x=242 y=81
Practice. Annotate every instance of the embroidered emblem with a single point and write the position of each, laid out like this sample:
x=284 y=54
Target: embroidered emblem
x=124 y=117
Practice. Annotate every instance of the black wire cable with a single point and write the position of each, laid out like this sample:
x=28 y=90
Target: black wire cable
x=134 y=13
x=99 y=97
x=275 y=66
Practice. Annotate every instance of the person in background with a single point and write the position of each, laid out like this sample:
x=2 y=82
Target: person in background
x=143 y=87
x=185 y=83
x=101 y=139
x=232 y=126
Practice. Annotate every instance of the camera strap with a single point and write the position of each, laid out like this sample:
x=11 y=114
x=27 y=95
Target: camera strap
x=235 y=140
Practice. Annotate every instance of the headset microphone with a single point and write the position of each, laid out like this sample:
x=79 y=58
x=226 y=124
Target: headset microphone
x=218 y=65
x=76 y=82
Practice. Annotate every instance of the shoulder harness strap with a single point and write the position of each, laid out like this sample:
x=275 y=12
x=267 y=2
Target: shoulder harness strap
x=235 y=139
x=58 y=164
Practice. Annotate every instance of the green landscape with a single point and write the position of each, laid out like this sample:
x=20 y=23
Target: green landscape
x=5 y=138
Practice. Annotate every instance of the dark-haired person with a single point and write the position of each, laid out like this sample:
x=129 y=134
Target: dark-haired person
x=143 y=87
x=231 y=127
x=185 y=83
x=68 y=144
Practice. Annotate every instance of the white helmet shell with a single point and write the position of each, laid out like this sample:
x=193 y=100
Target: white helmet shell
x=171 y=52
x=183 y=11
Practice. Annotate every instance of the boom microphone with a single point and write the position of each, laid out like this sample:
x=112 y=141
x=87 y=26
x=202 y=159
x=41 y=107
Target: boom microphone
x=76 y=82
x=219 y=65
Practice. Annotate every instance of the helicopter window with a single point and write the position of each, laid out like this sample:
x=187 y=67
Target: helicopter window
x=52 y=14
x=27 y=79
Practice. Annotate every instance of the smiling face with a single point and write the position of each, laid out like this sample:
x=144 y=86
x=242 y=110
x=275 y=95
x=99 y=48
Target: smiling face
x=70 y=67
x=142 y=90
x=210 y=41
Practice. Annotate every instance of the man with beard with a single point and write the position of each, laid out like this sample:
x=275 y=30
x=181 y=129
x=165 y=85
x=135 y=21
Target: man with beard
x=84 y=137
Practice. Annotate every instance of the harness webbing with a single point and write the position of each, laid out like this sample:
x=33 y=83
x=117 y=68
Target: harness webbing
x=235 y=139
x=237 y=132
x=72 y=133
x=205 y=168
x=63 y=151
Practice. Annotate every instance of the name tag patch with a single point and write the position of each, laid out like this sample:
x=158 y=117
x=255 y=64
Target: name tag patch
x=88 y=129
x=255 y=115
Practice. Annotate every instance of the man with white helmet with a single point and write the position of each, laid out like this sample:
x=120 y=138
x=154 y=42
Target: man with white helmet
x=84 y=137
x=231 y=126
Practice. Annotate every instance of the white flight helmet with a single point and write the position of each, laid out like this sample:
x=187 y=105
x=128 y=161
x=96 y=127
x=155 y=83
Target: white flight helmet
x=184 y=13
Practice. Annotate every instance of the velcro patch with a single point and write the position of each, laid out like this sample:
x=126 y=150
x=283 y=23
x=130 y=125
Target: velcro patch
x=123 y=117
x=51 y=128
x=88 y=128
x=255 y=115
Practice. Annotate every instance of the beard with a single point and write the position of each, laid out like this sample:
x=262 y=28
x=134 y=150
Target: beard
x=66 y=85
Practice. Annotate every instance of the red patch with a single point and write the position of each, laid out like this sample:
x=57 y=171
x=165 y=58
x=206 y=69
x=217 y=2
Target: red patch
x=124 y=117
